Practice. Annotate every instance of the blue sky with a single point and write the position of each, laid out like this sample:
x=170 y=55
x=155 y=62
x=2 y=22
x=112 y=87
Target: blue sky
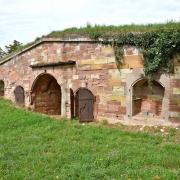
x=24 y=20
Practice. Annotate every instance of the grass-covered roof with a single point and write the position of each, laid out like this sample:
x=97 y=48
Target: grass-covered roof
x=100 y=31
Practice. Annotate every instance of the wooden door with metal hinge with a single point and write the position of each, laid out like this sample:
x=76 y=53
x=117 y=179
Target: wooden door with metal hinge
x=85 y=105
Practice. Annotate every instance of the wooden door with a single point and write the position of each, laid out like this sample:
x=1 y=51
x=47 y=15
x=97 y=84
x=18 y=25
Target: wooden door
x=1 y=88
x=19 y=95
x=85 y=105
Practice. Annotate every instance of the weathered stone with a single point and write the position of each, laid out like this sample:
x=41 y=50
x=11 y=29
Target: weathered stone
x=96 y=70
x=176 y=90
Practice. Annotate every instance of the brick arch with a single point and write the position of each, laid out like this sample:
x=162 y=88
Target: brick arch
x=133 y=78
x=46 y=95
x=142 y=78
x=147 y=100
x=2 y=88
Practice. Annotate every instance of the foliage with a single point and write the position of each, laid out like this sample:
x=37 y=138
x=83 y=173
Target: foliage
x=33 y=146
x=10 y=49
x=157 y=47
x=2 y=53
x=15 y=46
x=103 y=31
x=157 y=42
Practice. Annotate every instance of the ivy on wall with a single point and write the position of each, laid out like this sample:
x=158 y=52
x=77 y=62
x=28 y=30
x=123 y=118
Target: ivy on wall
x=158 y=43
x=158 y=49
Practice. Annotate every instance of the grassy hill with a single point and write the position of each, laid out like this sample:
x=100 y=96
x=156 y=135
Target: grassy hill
x=100 y=31
x=33 y=146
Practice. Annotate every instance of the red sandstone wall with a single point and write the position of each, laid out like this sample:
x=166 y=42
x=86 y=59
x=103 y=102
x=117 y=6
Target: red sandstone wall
x=95 y=69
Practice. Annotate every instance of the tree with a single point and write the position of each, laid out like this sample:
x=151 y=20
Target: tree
x=15 y=46
x=2 y=53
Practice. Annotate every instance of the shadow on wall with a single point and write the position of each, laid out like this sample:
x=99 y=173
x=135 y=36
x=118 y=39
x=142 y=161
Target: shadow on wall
x=1 y=88
x=46 y=95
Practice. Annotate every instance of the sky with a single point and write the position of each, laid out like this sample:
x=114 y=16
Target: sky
x=24 y=20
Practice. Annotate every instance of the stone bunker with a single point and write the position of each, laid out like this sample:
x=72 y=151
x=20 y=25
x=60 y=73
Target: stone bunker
x=81 y=78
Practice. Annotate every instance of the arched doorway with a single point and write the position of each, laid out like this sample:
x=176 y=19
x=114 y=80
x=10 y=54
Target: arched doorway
x=1 y=88
x=19 y=95
x=46 y=95
x=84 y=105
x=147 y=99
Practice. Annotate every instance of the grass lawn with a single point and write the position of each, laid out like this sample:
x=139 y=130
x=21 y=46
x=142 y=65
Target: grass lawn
x=33 y=146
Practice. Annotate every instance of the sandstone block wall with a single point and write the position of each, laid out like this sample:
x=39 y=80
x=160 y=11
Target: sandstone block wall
x=96 y=69
x=174 y=105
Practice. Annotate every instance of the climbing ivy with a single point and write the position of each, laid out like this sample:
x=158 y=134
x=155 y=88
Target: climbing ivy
x=158 y=49
x=158 y=43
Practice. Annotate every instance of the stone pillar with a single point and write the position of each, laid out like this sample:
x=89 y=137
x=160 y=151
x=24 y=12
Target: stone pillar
x=65 y=100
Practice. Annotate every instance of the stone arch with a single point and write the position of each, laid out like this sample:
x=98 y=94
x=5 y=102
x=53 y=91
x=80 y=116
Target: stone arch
x=2 y=88
x=19 y=95
x=142 y=78
x=84 y=105
x=147 y=100
x=46 y=95
x=137 y=75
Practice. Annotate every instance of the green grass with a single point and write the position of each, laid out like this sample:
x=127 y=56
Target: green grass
x=33 y=146
x=100 y=31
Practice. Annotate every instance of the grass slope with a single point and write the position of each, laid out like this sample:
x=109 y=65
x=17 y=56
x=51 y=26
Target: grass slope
x=33 y=146
x=100 y=31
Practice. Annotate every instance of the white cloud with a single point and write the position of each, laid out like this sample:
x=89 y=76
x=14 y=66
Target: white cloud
x=24 y=20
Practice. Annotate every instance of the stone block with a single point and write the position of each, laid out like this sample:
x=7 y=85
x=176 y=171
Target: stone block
x=111 y=60
x=97 y=67
x=118 y=90
x=107 y=50
x=100 y=61
x=134 y=61
x=75 y=77
x=114 y=73
x=86 y=62
x=95 y=76
x=121 y=99
x=175 y=115
x=114 y=82
x=176 y=90
x=177 y=69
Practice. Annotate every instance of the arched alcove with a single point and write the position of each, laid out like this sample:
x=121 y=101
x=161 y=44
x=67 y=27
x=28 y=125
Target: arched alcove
x=147 y=99
x=46 y=95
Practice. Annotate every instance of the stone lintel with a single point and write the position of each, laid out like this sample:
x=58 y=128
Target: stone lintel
x=53 y=64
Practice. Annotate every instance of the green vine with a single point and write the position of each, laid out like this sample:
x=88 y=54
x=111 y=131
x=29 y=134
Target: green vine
x=118 y=55
x=157 y=42
x=158 y=49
